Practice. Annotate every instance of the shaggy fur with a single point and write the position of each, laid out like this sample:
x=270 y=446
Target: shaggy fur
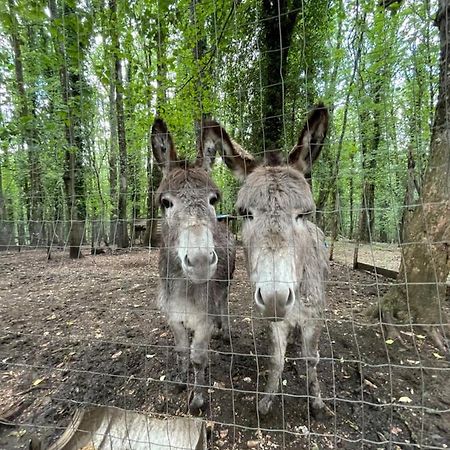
x=201 y=306
x=286 y=255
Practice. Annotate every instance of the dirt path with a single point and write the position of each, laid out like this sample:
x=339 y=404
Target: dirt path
x=75 y=333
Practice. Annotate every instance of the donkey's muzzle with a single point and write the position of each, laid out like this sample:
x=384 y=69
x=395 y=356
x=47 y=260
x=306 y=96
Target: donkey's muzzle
x=274 y=304
x=200 y=265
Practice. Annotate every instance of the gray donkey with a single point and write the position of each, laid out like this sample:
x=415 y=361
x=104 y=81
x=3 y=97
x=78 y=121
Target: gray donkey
x=285 y=251
x=196 y=261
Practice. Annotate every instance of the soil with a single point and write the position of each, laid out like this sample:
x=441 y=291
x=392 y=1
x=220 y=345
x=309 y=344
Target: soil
x=87 y=332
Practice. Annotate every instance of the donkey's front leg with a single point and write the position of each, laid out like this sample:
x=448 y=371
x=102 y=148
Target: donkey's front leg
x=181 y=337
x=310 y=342
x=224 y=316
x=280 y=333
x=199 y=358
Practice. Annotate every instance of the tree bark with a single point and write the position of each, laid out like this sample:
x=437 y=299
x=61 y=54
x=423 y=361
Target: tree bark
x=419 y=294
x=112 y=160
x=154 y=175
x=70 y=81
x=28 y=135
x=279 y=19
x=122 y=230
x=6 y=223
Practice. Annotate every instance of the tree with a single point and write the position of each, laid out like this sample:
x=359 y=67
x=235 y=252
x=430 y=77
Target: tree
x=279 y=18
x=70 y=46
x=122 y=230
x=27 y=120
x=419 y=294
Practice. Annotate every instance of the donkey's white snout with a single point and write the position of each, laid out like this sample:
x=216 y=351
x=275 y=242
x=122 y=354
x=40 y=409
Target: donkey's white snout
x=274 y=303
x=197 y=254
x=200 y=259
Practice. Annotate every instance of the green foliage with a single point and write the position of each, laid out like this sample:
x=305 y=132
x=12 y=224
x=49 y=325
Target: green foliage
x=191 y=58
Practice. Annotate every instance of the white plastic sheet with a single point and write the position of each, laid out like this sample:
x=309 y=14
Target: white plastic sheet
x=107 y=428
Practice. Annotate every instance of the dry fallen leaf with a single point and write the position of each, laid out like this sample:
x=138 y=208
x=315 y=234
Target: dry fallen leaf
x=252 y=444
x=223 y=433
x=389 y=341
x=38 y=381
x=116 y=355
x=404 y=400
x=437 y=356
x=370 y=384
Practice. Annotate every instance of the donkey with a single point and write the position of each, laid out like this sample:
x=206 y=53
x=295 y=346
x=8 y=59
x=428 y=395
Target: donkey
x=196 y=261
x=285 y=251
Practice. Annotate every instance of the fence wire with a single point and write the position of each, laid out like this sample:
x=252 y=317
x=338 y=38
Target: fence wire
x=93 y=355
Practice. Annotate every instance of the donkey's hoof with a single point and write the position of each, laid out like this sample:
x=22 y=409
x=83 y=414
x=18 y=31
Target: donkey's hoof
x=178 y=387
x=320 y=411
x=179 y=381
x=265 y=404
x=196 y=404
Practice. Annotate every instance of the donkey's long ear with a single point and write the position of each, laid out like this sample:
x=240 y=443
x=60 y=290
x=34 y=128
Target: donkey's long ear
x=310 y=141
x=162 y=145
x=215 y=138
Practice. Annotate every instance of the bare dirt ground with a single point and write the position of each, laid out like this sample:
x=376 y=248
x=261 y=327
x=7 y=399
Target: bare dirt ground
x=77 y=333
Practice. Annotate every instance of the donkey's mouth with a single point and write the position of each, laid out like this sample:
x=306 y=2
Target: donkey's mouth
x=199 y=276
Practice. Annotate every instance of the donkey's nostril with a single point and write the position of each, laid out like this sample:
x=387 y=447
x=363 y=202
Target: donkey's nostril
x=258 y=298
x=290 y=299
x=213 y=258
x=187 y=261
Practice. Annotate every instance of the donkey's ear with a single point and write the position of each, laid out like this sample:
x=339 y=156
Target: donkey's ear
x=310 y=141
x=162 y=145
x=215 y=138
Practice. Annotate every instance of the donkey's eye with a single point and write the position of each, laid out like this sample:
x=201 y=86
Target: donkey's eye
x=166 y=203
x=304 y=215
x=245 y=214
x=213 y=200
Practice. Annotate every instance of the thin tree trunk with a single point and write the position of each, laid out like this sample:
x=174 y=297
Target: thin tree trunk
x=122 y=230
x=6 y=222
x=369 y=149
x=113 y=151
x=351 y=193
x=28 y=134
x=70 y=80
x=153 y=173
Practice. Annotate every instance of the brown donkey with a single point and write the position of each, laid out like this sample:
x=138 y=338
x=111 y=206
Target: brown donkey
x=286 y=254
x=196 y=261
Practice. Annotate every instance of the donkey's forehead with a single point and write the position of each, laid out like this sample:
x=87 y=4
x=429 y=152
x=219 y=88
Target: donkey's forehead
x=189 y=181
x=271 y=188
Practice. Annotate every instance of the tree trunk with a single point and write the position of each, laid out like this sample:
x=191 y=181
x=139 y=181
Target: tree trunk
x=369 y=149
x=28 y=135
x=113 y=151
x=6 y=223
x=412 y=189
x=419 y=294
x=351 y=189
x=153 y=173
x=122 y=230
x=70 y=81
x=279 y=18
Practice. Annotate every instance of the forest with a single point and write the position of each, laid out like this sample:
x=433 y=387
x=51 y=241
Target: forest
x=81 y=83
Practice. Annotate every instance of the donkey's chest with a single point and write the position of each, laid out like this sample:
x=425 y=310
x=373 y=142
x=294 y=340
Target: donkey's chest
x=187 y=304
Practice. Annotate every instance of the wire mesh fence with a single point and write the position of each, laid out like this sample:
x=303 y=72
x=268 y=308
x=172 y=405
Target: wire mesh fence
x=162 y=291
